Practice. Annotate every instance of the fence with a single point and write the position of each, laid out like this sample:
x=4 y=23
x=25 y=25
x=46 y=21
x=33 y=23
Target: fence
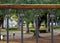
x=20 y=8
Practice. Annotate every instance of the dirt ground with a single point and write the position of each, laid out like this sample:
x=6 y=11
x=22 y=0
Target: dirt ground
x=33 y=40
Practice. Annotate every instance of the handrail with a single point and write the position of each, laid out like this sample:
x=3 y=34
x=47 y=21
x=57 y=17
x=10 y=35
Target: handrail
x=50 y=6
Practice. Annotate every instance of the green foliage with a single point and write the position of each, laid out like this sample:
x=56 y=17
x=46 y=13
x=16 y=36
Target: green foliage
x=30 y=1
x=29 y=15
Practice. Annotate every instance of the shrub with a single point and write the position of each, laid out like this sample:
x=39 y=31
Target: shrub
x=56 y=27
x=41 y=31
x=13 y=28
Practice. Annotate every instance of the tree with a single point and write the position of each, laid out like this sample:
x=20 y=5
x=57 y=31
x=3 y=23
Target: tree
x=1 y=20
x=28 y=17
x=2 y=15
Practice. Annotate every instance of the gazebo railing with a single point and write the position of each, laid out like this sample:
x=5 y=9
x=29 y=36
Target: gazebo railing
x=20 y=12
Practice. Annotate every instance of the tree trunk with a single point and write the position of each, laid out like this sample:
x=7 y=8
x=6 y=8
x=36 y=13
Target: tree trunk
x=32 y=24
x=35 y=34
x=1 y=21
x=2 y=26
x=39 y=24
x=27 y=25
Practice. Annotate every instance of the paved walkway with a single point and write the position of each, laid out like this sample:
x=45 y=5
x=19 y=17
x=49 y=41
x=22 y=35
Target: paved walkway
x=18 y=34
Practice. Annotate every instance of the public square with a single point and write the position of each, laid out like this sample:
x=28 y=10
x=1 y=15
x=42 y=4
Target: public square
x=28 y=38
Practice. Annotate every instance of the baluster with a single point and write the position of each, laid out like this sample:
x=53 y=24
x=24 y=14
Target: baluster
x=0 y=24
x=48 y=22
x=36 y=22
x=21 y=15
x=7 y=28
x=52 y=16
